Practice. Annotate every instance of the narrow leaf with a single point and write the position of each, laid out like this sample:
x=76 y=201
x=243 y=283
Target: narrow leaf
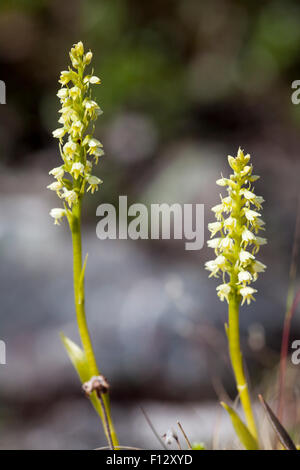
x=281 y=432
x=79 y=361
x=77 y=357
x=241 y=429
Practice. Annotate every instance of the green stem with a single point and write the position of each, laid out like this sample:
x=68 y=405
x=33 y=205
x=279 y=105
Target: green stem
x=237 y=361
x=75 y=226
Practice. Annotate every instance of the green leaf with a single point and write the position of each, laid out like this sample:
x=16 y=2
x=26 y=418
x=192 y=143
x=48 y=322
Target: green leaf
x=79 y=361
x=77 y=357
x=281 y=432
x=241 y=429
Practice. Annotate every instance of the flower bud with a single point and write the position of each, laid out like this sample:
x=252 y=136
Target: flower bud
x=88 y=58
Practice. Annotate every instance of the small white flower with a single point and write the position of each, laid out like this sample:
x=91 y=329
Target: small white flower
x=227 y=203
x=77 y=169
x=251 y=215
x=247 y=236
x=66 y=113
x=214 y=242
x=57 y=172
x=223 y=291
x=260 y=224
x=93 y=183
x=258 y=201
x=70 y=196
x=70 y=148
x=94 y=143
x=226 y=243
x=94 y=80
x=75 y=92
x=65 y=77
x=259 y=267
x=63 y=93
x=214 y=227
x=77 y=127
x=56 y=186
x=220 y=261
x=245 y=256
x=222 y=182
x=57 y=214
x=230 y=223
x=98 y=152
x=215 y=265
x=59 y=133
x=210 y=265
x=218 y=210
x=247 y=294
x=244 y=277
x=90 y=104
x=260 y=241
x=247 y=194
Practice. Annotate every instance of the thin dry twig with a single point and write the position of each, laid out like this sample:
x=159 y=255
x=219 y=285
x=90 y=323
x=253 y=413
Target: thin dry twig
x=184 y=435
x=153 y=429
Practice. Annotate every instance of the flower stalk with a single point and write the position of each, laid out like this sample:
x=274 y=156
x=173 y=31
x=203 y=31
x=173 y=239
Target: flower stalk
x=237 y=361
x=238 y=223
x=79 y=150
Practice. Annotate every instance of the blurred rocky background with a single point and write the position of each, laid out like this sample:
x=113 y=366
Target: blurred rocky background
x=185 y=83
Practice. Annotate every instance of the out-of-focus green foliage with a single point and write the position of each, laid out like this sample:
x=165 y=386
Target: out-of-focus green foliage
x=198 y=446
x=192 y=69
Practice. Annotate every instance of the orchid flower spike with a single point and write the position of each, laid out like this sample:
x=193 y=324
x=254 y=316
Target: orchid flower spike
x=238 y=223
x=79 y=149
